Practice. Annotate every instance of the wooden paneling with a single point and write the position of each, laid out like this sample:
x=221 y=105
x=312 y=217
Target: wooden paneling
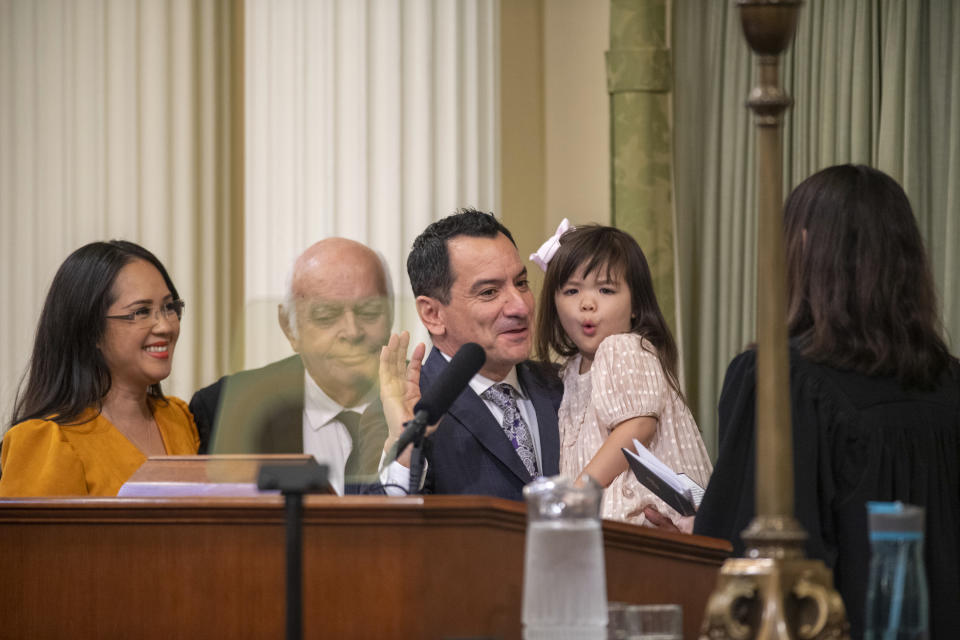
x=430 y=567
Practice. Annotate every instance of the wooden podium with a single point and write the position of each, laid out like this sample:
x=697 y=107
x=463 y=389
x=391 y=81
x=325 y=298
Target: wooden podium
x=374 y=567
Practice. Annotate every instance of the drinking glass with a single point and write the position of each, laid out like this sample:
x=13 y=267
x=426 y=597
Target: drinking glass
x=644 y=621
x=564 y=582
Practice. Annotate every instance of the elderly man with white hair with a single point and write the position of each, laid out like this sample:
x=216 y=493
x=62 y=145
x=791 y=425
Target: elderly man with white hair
x=324 y=400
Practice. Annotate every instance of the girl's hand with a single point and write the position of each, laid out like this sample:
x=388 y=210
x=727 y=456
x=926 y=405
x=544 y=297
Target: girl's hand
x=399 y=384
x=662 y=522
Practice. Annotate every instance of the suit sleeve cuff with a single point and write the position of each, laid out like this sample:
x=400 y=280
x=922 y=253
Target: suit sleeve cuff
x=395 y=477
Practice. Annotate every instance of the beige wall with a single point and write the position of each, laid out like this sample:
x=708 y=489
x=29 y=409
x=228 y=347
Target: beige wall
x=555 y=121
x=577 y=111
x=522 y=166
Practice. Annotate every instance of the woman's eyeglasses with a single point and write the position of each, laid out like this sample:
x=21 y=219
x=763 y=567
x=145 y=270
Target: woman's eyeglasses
x=145 y=316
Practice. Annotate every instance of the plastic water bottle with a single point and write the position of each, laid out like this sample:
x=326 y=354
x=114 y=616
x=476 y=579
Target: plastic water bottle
x=897 y=598
x=564 y=580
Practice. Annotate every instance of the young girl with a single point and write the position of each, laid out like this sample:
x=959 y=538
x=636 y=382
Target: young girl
x=599 y=311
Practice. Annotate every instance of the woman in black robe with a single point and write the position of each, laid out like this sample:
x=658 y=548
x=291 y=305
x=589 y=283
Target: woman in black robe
x=875 y=394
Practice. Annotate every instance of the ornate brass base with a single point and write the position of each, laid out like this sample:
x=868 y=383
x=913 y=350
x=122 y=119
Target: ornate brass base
x=775 y=592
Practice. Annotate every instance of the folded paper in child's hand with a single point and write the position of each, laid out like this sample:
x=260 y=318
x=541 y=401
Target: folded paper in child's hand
x=676 y=489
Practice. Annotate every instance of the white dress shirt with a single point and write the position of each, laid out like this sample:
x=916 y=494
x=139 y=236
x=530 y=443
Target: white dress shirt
x=324 y=436
x=327 y=439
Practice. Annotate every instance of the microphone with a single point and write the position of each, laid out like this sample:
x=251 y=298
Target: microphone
x=463 y=366
x=437 y=399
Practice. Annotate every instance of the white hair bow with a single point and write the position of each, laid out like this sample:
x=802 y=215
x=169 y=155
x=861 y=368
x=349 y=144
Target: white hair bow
x=547 y=250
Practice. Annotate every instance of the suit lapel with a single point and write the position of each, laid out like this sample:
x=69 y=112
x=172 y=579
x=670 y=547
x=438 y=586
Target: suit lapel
x=470 y=411
x=284 y=433
x=546 y=419
x=261 y=410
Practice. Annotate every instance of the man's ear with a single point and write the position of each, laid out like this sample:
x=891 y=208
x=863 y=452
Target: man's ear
x=284 y=318
x=430 y=311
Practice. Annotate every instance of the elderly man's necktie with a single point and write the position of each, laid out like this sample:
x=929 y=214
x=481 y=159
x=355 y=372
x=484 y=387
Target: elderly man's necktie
x=351 y=420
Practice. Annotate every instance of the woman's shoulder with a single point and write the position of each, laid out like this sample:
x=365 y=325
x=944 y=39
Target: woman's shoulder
x=174 y=408
x=745 y=361
x=745 y=364
x=177 y=403
x=35 y=426
x=36 y=433
x=178 y=426
x=88 y=419
x=38 y=459
x=816 y=394
x=804 y=374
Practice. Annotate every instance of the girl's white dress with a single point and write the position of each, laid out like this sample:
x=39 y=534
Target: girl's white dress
x=626 y=381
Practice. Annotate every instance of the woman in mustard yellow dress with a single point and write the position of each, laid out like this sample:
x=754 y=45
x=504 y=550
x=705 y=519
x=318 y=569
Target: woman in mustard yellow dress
x=91 y=409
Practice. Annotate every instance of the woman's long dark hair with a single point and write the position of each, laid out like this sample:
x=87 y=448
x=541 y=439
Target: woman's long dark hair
x=615 y=251
x=67 y=373
x=860 y=293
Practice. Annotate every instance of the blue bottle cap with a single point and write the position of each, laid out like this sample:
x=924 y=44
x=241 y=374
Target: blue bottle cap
x=895 y=521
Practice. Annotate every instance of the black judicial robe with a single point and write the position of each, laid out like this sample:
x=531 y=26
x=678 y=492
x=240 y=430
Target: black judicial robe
x=856 y=438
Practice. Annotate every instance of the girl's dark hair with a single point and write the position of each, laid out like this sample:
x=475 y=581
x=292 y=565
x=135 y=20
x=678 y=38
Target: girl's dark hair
x=860 y=293
x=67 y=373
x=595 y=247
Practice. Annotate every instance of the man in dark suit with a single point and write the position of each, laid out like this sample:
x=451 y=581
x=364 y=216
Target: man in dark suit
x=323 y=400
x=501 y=432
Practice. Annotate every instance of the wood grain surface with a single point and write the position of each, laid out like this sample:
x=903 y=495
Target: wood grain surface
x=374 y=567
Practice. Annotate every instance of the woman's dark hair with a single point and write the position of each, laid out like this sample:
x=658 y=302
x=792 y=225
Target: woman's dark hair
x=616 y=252
x=67 y=373
x=860 y=293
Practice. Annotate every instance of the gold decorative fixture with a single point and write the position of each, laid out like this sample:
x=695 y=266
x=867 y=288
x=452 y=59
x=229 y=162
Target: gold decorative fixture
x=774 y=592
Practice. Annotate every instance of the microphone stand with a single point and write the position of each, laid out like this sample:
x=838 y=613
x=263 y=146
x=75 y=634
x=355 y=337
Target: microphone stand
x=413 y=433
x=435 y=401
x=294 y=480
x=416 y=466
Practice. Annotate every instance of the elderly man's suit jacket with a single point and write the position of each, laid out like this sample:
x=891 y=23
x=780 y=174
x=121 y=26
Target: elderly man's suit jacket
x=261 y=411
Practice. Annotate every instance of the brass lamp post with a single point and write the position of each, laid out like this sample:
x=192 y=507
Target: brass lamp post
x=774 y=592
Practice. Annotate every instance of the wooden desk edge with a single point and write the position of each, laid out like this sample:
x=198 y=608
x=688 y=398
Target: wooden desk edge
x=337 y=510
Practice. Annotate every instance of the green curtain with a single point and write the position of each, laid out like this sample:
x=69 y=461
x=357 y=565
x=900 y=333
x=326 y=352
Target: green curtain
x=639 y=79
x=714 y=191
x=873 y=81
